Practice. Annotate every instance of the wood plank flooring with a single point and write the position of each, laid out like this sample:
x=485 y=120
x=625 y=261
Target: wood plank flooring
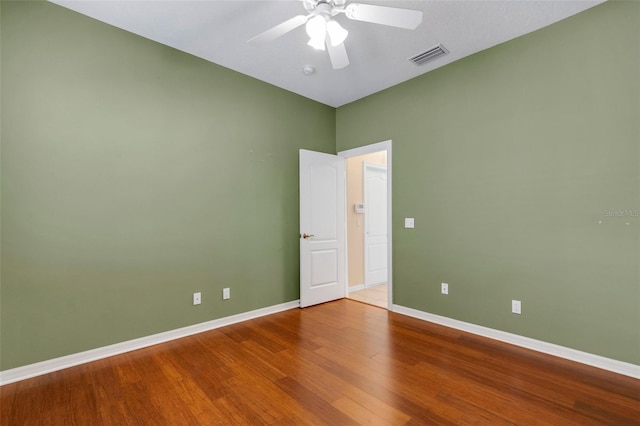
x=341 y=363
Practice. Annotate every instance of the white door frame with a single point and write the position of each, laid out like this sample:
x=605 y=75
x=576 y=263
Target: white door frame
x=370 y=149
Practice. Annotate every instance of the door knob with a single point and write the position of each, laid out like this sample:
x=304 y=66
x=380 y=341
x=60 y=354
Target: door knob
x=307 y=236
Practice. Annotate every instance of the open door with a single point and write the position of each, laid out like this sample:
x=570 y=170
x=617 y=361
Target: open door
x=322 y=228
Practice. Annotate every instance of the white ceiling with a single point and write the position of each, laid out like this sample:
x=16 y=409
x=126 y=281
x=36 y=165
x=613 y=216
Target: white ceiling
x=217 y=30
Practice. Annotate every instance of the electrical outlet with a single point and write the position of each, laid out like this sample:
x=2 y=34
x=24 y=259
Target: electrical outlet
x=226 y=293
x=444 y=289
x=516 y=307
x=197 y=298
x=409 y=222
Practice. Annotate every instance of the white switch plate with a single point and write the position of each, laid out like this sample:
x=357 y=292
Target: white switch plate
x=226 y=293
x=444 y=288
x=409 y=222
x=516 y=307
x=197 y=298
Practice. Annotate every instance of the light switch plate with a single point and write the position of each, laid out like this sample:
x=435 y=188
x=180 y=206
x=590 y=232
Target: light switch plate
x=516 y=307
x=409 y=222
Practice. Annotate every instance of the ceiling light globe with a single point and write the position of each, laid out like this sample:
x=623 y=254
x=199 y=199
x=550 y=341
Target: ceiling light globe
x=337 y=34
x=317 y=27
x=317 y=43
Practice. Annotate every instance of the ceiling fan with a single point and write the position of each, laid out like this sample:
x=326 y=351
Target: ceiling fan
x=325 y=33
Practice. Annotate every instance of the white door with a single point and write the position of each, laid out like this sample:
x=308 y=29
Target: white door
x=375 y=218
x=322 y=228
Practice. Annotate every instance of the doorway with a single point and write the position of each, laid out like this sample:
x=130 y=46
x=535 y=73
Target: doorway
x=368 y=220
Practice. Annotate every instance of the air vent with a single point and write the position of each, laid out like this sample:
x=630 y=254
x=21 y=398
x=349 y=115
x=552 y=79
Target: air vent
x=429 y=55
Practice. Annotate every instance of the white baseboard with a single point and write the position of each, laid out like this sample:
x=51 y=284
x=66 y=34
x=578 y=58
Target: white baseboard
x=51 y=365
x=357 y=287
x=620 y=367
x=374 y=285
x=44 y=367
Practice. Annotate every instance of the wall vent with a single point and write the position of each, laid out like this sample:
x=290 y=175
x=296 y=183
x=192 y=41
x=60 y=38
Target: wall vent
x=429 y=55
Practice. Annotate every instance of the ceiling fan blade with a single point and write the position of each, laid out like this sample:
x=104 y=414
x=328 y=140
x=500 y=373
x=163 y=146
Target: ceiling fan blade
x=338 y=56
x=393 y=16
x=278 y=30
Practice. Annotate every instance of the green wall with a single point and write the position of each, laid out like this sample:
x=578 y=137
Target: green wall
x=132 y=176
x=509 y=159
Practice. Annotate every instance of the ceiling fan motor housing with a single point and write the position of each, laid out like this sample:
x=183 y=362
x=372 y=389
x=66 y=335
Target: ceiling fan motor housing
x=323 y=7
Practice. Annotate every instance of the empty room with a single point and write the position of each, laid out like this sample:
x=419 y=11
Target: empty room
x=197 y=196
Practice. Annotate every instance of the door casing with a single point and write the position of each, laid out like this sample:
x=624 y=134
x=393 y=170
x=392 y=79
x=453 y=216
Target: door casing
x=369 y=149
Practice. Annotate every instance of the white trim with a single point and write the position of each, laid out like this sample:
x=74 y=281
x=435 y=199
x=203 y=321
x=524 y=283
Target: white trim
x=51 y=365
x=357 y=287
x=375 y=285
x=369 y=149
x=360 y=287
x=620 y=367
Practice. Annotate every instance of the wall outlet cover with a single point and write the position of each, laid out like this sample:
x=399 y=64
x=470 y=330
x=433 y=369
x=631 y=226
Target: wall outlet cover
x=516 y=307
x=226 y=293
x=444 y=288
x=197 y=298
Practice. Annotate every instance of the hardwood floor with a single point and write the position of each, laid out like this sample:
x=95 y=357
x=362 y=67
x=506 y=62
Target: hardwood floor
x=341 y=363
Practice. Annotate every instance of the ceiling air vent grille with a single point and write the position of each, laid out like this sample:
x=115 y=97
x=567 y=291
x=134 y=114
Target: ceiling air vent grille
x=429 y=55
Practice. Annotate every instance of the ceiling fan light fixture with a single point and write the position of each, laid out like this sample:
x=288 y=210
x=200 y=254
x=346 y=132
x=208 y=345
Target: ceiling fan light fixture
x=317 y=43
x=317 y=30
x=337 y=34
x=327 y=34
